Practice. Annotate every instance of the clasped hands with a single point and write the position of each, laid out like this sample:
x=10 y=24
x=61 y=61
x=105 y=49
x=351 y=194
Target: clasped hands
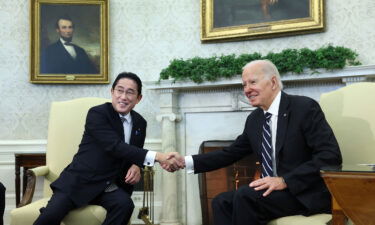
x=170 y=161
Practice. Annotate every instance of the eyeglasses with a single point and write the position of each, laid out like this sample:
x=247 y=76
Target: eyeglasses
x=130 y=93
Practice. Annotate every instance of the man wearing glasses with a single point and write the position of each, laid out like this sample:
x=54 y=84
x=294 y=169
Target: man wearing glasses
x=108 y=161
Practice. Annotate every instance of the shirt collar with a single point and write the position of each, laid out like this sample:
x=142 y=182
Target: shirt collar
x=274 y=108
x=63 y=41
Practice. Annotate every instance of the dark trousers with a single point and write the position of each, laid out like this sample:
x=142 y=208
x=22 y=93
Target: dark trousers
x=118 y=204
x=2 y=203
x=246 y=206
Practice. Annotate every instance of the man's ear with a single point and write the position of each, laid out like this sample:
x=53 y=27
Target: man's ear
x=274 y=82
x=139 y=98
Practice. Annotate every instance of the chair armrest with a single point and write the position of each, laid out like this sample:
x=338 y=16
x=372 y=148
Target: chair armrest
x=40 y=171
x=31 y=175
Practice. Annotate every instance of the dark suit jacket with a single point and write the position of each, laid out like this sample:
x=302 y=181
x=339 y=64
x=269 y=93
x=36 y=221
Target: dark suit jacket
x=2 y=203
x=55 y=59
x=304 y=143
x=102 y=155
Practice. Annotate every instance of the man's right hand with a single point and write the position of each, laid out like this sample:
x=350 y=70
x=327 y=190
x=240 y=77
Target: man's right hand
x=171 y=161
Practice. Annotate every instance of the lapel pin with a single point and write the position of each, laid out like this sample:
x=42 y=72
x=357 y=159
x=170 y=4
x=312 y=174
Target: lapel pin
x=284 y=114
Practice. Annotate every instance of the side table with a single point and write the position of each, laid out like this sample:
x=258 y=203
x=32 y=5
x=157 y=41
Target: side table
x=27 y=161
x=353 y=190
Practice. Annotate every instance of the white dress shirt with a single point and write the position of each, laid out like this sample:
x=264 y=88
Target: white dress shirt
x=69 y=48
x=128 y=125
x=274 y=110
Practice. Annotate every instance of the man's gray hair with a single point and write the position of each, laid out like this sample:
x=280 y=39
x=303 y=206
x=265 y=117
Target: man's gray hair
x=269 y=69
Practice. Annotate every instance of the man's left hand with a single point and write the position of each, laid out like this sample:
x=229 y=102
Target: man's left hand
x=269 y=183
x=133 y=175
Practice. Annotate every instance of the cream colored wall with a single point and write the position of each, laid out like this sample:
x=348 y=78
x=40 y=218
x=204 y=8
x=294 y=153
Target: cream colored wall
x=144 y=36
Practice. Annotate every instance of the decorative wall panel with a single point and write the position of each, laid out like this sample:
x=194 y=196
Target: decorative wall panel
x=144 y=36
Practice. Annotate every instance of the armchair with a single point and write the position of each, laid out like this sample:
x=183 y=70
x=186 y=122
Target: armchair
x=350 y=112
x=65 y=129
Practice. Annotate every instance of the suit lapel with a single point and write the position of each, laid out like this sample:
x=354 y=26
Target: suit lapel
x=116 y=121
x=258 y=129
x=282 y=122
x=135 y=128
x=66 y=53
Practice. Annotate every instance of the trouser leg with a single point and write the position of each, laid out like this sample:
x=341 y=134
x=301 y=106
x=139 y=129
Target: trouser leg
x=222 y=208
x=118 y=204
x=247 y=206
x=250 y=207
x=57 y=208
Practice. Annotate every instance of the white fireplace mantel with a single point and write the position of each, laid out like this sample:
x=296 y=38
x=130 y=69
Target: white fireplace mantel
x=191 y=113
x=347 y=75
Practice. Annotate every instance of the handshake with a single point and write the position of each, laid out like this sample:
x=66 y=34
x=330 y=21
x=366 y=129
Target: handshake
x=170 y=161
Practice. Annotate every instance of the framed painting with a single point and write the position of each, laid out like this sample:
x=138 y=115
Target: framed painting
x=69 y=41
x=230 y=20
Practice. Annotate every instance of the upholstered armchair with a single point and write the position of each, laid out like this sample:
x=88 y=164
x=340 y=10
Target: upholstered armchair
x=65 y=129
x=350 y=112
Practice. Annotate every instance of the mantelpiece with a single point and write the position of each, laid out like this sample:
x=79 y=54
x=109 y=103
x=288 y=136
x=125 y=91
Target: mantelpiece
x=347 y=75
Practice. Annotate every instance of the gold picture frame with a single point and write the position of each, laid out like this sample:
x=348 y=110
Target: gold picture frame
x=69 y=42
x=231 y=20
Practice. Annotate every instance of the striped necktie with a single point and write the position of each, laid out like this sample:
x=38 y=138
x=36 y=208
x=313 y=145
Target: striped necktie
x=267 y=147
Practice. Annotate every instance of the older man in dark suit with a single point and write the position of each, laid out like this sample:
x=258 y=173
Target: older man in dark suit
x=64 y=57
x=111 y=146
x=292 y=140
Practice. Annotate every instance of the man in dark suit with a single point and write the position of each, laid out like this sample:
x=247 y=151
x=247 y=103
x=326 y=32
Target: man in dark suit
x=292 y=140
x=111 y=146
x=2 y=202
x=64 y=57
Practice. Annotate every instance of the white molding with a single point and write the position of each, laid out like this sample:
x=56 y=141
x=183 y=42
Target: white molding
x=153 y=144
x=39 y=146
x=23 y=146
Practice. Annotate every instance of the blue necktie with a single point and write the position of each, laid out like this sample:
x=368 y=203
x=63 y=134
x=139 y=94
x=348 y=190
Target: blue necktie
x=267 y=147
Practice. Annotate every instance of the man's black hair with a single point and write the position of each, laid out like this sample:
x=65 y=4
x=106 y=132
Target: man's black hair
x=63 y=17
x=130 y=76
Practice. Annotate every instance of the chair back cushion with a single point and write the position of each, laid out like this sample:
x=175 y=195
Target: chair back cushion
x=65 y=130
x=351 y=113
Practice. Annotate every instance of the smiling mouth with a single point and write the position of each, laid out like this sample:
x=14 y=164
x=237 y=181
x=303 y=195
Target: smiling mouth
x=123 y=104
x=252 y=96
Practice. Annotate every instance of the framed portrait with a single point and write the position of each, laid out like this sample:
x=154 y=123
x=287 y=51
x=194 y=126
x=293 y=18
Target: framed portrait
x=230 y=20
x=69 y=41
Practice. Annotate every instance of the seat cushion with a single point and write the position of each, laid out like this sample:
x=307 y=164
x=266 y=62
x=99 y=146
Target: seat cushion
x=88 y=215
x=318 y=219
